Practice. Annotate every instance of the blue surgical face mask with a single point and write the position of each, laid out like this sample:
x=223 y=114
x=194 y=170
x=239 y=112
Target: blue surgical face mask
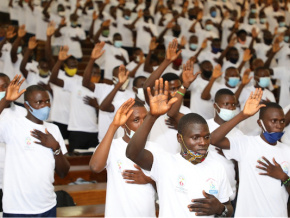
x=19 y=49
x=254 y=10
x=286 y=38
x=271 y=137
x=209 y=27
x=226 y=114
x=213 y=13
x=2 y=95
x=131 y=132
x=264 y=82
x=118 y=44
x=252 y=21
x=127 y=17
x=41 y=114
x=215 y=50
x=263 y=20
x=193 y=46
x=233 y=81
x=282 y=24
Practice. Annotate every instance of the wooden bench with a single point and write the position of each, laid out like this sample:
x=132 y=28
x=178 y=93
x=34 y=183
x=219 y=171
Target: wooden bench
x=81 y=211
x=79 y=160
x=86 y=194
x=80 y=172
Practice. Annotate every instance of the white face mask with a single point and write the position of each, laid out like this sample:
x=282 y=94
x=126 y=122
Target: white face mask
x=140 y=94
x=131 y=132
x=226 y=114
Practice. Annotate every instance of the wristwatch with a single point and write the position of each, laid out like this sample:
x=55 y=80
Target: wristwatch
x=56 y=152
x=183 y=87
x=225 y=212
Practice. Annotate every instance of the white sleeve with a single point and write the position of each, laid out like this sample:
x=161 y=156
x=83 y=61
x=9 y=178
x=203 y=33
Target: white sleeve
x=158 y=165
x=69 y=84
x=60 y=140
x=3 y=126
x=101 y=91
x=225 y=189
x=238 y=147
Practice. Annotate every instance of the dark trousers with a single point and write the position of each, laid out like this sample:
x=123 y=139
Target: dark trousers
x=82 y=140
x=49 y=213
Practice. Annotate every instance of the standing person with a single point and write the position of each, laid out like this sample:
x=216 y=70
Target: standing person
x=193 y=182
x=134 y=198
x=263 y=160
x=34 y=150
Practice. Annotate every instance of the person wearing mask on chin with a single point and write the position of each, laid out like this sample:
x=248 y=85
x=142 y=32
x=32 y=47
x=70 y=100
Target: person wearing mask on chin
x=263 y=161
x=262 y=78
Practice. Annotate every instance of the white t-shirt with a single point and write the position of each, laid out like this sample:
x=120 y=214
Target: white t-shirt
x=124 y=199
x=41 y=24
x=163 y=136
x=33 y=77
x=8 y=113
x=29 y=167
x=127 y=34
x=82 y=117
x=261 y=50
x=282 y=74
x=197 y=104
x=143 y=37
x=208 y=56
x=179 y=181
x=227 y=164
x=259 y=195
x=30 y=24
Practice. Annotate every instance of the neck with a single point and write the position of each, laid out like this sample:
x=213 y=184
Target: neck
x=126 y=138
x=218 y=120
x=203 y=77
x=265 y=140
x=175 y=67
x=33 y=119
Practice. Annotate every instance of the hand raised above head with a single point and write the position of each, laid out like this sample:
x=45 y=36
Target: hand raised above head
x=187 y=74
x=171 y=52
x=98 y=50
x=123 y=113
x=159 y=103
x=62 y=55
x=253 y=105
x=12 y=92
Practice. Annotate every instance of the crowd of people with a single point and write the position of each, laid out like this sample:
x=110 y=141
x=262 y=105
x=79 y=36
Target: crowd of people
x=226 y=154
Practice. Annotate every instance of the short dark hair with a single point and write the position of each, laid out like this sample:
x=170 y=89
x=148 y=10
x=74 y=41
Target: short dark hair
x=260 y=68
x=222 y=92
x=138 y=104
x=3 y=75
x=136 y=80
x=189 y=119
x=170 y=77
x=269 y=105
x=70 y=58
x=31 y=89
x=242 y=31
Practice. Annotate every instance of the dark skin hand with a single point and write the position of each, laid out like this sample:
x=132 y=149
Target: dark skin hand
x=45 y=139
x=207 y=206
x=91 y=101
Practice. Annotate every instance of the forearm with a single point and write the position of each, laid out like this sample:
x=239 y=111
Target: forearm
x=91 y=31
x=205 y=95
x=14 y=48
x=147 y=66
x=135 y=150
x=87 y=76
x=133 y=72
x=198 y=53
x=4 y=104
x=100 y=156
x=174 y=110
x=24 y=63
x=239 y=91
x=223 y=54
x=269 y=59
x=61 y=165
x=241 y=66
x=96 y=37
x=54 y=75
x=161 y=36
x=107 y=102
x=134 y=22
x=57 y=32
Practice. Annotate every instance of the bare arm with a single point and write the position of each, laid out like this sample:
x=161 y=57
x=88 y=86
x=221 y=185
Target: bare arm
x=31 y=46
x=21 y=34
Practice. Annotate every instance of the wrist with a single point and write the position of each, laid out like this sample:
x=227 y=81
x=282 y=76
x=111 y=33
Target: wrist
x=185 y=86
x=57 y=147
x=284 y=177
x=152 y=117
x=221 y=209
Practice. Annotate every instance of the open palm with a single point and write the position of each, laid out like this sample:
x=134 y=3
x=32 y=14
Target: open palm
x=12 y=92
x=187 y=75
x=123 y=74
x=171 y=53
x=159 y=103
x=253 y=105
x=62 y=55
x=98 y=50
x=124 y=112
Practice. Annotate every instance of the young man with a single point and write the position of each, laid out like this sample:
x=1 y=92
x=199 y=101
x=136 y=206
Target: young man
x=34 y=151
x=263 y=160
x=128 y=194
x=186 y=182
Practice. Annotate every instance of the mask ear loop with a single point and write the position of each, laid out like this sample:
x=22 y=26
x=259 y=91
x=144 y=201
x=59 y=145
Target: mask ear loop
x=187 y=151
x=127 y=131
x=262 y=123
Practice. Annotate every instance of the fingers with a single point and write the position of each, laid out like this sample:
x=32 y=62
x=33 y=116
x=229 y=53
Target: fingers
x=149 y=93
x=206 y=194
x=166 y=90
x=161 y=86
x=137 y=167
x=199 y=200
x=265 y=159
x=156 y=87
x=274 y=161
x=46 y=131
x=172 y=101
x=261 y=168
x=126 y=106
x=262 y=163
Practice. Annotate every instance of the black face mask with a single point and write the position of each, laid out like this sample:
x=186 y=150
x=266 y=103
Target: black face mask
x=207 y=73
x=176 y=33
x=233 y=60
x=191 y=17
x=268 y=41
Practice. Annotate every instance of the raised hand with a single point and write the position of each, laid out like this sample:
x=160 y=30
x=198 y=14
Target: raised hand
x=140 y=13
x=272 y=170
x=62 y=55
x=32 y=43
x=95 y=15
x=246 y=79
x=50 y=28
x=204 y=44
x=136 y=176
x=247 y=55
x=12 y=92
x=171 y=123
x=183 y=41
x=216 y=73
x=62 y=22
x=21 y=31
x=187 y=74
x=233 y=42
x=153 y=44
x=123 y=74
x=199 y=16
x=123 y=113
x=209 y=205
x=169 y=25
x=253 y=105
x=276 y=46
x=171 y=52
x=106 y=23
x=45 y=139
x=254 y=33
x=91 y=101
x=159 y=103
x=98 y=51
x=10 y=32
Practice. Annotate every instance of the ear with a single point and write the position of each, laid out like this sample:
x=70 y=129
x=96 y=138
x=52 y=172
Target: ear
x=259 y=123
x=215 y=107
x=179 y=138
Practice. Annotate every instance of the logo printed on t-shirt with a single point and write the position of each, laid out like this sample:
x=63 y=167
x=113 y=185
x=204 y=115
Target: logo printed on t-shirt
x=285 y=167
x=119 y=163
x=212 y=186
x=181 y=184
x=28 y=141
x=28 y=144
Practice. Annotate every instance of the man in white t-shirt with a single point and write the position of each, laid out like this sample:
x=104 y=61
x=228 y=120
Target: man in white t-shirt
x=127 y=195
x=34 y=150
x=263 y=161
x=191 y=182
